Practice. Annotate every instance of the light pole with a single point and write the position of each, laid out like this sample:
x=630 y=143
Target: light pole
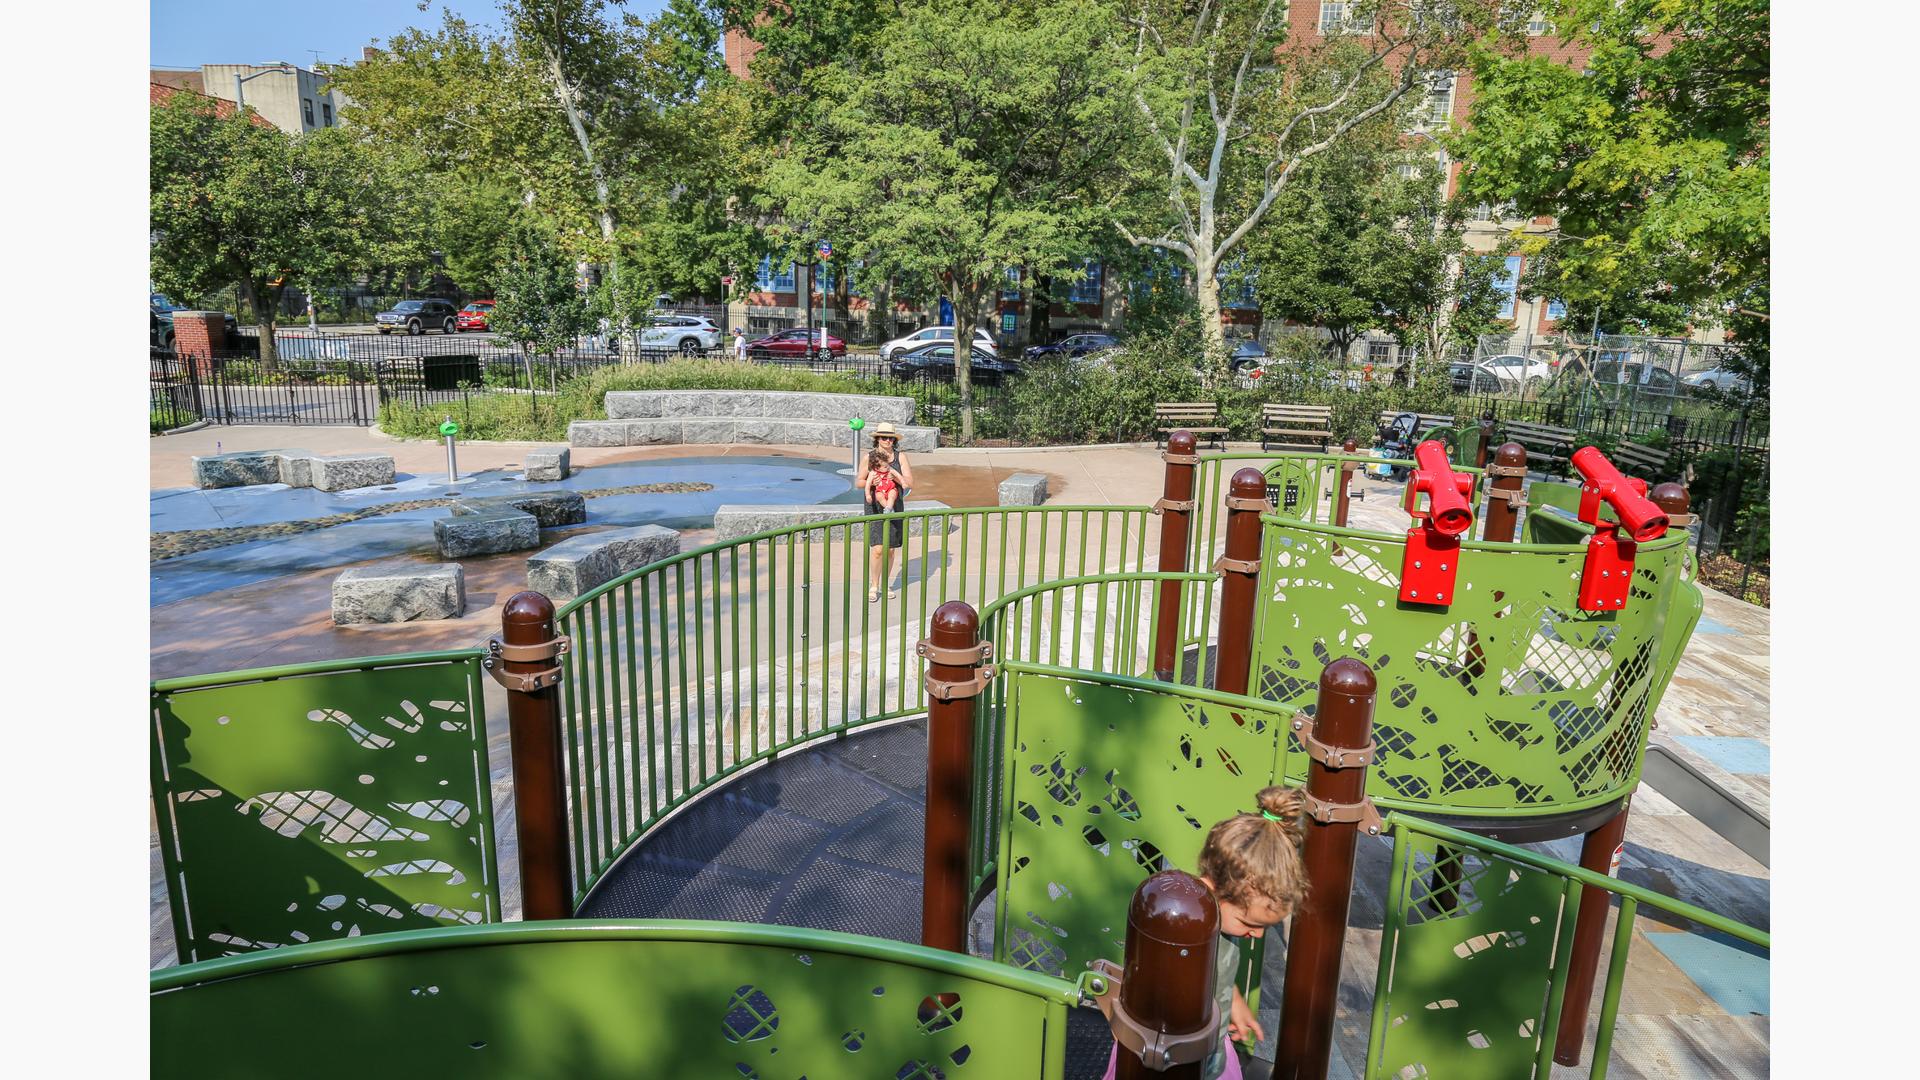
x=240 y=81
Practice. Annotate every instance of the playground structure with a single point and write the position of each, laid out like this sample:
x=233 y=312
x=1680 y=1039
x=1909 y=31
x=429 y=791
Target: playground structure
x=1087 y=718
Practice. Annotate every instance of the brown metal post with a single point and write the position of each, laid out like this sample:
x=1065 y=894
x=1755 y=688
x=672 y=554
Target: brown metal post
x=539 y=778
x=954 y=677
x=1510 y=473
x=1343 y=720
x=1173 y=926
x=1240 y=570
x=1344 y=482
x=1486 y=440
x=1176 y=512
x=1597 y=853
x=1676 y=501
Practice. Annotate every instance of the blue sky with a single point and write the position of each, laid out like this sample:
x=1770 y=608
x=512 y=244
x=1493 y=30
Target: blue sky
x=188 y=33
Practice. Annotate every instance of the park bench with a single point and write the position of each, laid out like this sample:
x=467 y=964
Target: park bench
x=1304 y=426
x=1544 y=443
x=1639 y=459
x=1200 y=417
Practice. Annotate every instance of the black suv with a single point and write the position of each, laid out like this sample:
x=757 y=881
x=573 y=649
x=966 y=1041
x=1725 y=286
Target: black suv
x=1077 y=345
x=417 y=317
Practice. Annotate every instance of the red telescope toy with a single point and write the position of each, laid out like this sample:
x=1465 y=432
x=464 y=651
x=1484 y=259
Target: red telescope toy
x=1433 y=544
x=1607 y=576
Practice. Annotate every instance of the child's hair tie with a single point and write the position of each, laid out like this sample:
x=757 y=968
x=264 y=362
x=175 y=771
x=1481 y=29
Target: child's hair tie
x=1273 y=817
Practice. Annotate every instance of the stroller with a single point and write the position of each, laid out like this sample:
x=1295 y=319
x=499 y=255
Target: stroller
x=1397 y=441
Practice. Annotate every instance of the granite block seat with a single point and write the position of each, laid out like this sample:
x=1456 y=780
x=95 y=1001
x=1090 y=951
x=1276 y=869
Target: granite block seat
x=399 y=592
x=675 y=417
x=486 y=532
x=582 y=563
x=1023 y=489
x=294 y=468
x=550 y=508
x=732 y=522
x=549 y=463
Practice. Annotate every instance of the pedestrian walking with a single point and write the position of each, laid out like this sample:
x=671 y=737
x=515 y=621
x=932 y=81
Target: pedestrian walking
x=739 y=344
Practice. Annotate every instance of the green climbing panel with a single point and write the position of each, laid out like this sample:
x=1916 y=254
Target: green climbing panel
x=608 y=1000
x=1510 y=701
x=1111 y=779
x=1472 y=949
x=324 y=801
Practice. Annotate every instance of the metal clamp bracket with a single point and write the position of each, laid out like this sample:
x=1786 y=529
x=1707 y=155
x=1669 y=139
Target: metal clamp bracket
x=1157 y=1050
x=1238 y=566
x=1172 y=458
x=545 y=650
x=1333 y=757
x=960 y=689
x=963 y=657
x=522 y=682
x=1681 y=521
x=1237 y=502
x=1362 y=812
x=1506 y=470
x=1513 y=497
x=1184 y=506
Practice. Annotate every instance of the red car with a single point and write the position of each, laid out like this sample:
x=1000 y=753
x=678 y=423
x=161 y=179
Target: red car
x=792 y=345
x=474 y=316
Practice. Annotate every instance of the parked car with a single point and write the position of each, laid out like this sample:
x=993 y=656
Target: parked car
x=474 y=316
x=689 y=335
x=1247 y=353
x=793 y=345
x=160 y=322
x=936 y=362
x=1638 y=375
x=417 y=317
x=1509 y=373
x=930 y=335
x=1719 y=378
x=1075 y=345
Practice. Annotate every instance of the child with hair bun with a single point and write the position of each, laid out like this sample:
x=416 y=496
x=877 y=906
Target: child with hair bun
x=1252 y=863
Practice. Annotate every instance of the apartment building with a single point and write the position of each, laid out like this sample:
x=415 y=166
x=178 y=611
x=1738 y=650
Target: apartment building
x=293 y=99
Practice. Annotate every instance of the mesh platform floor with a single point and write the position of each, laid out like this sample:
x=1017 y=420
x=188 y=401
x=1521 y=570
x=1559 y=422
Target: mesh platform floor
x=829 y=838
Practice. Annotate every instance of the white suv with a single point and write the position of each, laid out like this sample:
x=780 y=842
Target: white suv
x=690 y=334
x=932 y=335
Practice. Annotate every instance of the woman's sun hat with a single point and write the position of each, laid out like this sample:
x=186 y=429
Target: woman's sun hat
x=883 y=431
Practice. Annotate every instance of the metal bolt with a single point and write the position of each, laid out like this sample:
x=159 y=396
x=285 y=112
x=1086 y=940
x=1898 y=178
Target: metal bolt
x=1443 y=566
x=1416 y=564
x=1414 y=592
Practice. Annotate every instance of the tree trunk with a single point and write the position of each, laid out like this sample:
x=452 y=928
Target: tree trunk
x=266 y=311
x=564 y=91
x=881 y=315
x=1040 y=321
x=965 y=318
x=1212 y=336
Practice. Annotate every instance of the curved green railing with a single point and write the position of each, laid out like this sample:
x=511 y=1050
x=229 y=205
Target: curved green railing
x=606 y=999
x=691 y=669
x=1546 y=706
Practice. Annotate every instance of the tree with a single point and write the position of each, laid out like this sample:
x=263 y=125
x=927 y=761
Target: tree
x=1230 y=116
x=236 y=203
x=1653 y=162
x=537 y=301
x=973 y=142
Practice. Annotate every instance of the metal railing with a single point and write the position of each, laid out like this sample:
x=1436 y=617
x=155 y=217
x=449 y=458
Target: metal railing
x=687 y=671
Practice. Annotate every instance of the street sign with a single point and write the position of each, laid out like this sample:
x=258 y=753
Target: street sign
x=826 y=249
x=727 y=281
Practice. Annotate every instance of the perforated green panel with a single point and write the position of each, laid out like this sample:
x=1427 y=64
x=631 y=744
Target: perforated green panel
x=1509 y=700
x=588 y=1000
x=1110 y=780
x=328 y=801
x=1472 y=946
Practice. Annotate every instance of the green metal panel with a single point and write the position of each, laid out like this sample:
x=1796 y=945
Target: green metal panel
x=594 y=999
x=1508 y=701
x=323 y=801
x=1468 y=970
x=1111 y=779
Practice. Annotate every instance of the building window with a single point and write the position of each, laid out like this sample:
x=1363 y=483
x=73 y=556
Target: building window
x=1010 y=287
x=1379 y=352
x=1537 y=25
x=1506 y=285
x=306 y=110
x=1439 y=105
x=1337 y=17
x=768 y=281
x=1087 y=289
x=326 y=112
x=1556 y=310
